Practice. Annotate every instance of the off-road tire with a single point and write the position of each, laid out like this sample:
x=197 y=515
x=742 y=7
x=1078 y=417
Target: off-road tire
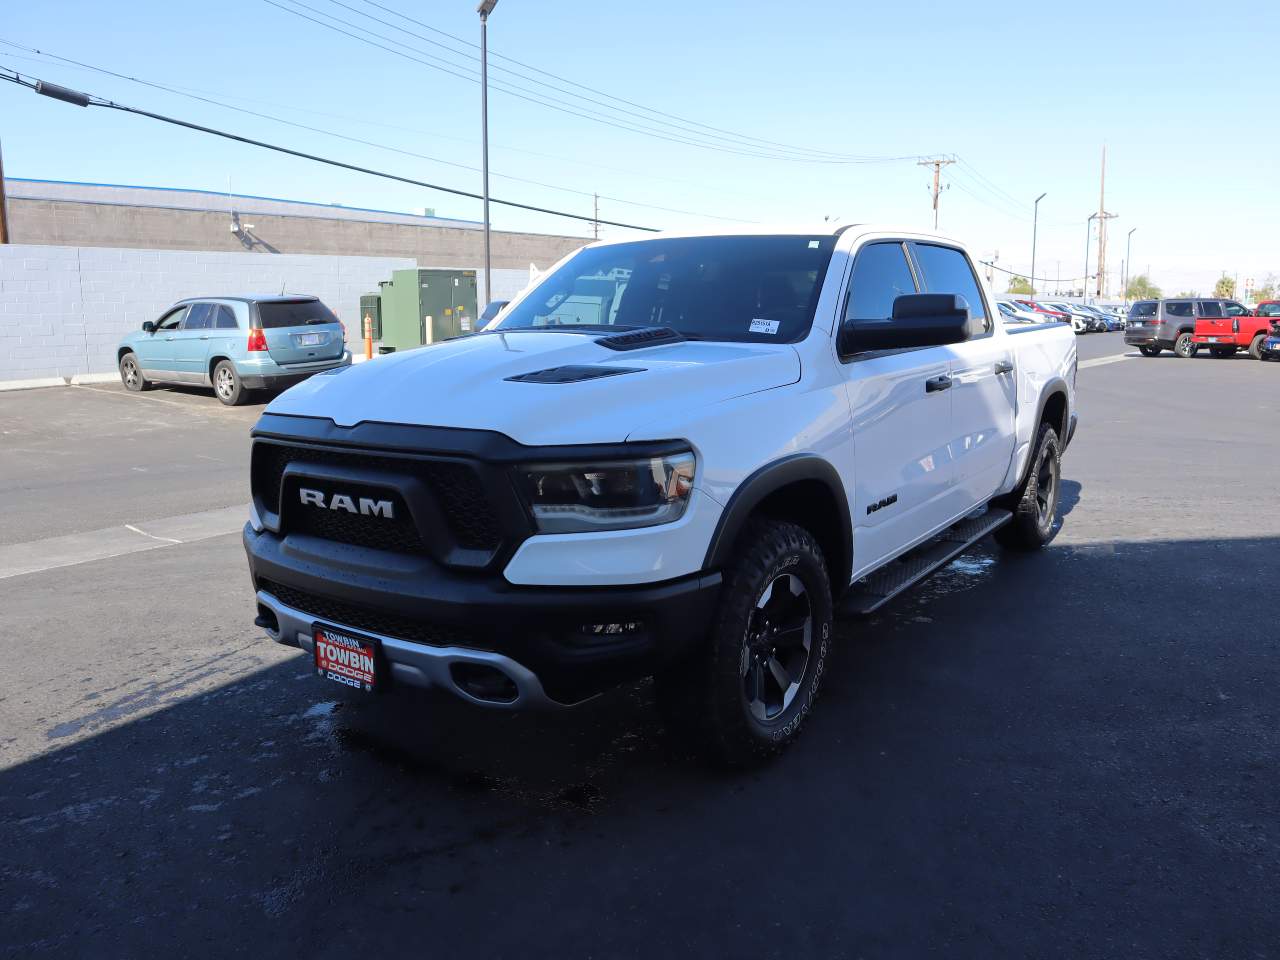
x=1149 y=351
x=1255 y=348
x=227 y=385
x=131 y=374
x=1032 y=525
x=1183 y=347
x=703 y=698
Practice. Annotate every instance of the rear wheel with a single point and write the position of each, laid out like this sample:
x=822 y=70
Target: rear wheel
x=1150 y=351
x=1255 y=348
x=1183 y=347
x=1035 y=504
x=745 y=695
x=131 y=374
x=227 y=384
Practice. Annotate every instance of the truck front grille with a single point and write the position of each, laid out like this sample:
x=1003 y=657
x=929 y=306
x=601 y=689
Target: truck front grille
x=454 y=484
x=357 y=617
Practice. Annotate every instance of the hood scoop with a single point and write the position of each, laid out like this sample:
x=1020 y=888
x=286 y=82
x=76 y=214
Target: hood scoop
x=572 y=374
x=638 y=339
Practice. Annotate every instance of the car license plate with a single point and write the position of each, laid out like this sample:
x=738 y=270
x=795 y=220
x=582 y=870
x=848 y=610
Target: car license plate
x=1273 y=343
x=310 y=339
x=346 y=658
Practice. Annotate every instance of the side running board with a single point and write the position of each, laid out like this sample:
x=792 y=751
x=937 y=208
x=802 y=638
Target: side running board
x=872 y=592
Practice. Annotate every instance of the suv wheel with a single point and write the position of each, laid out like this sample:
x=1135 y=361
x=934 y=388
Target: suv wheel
x=1035 y=503
x=1183 y=346
x=227 y=384
x=1150 y=351
x=131 y=374
x=1255 y=348
x=746 y=694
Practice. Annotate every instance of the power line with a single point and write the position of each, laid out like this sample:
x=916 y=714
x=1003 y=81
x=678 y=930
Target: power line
x=90 y=100
x=505 y=86
x=383 y=146
x=45 y=57
x=1030 y=279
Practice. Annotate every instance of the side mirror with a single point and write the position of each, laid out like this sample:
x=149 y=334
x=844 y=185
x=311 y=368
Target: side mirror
x=494 y=308
x=919 y=320
x=148 y=326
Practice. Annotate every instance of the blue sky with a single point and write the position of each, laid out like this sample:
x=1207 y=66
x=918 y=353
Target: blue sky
x=1026 y=94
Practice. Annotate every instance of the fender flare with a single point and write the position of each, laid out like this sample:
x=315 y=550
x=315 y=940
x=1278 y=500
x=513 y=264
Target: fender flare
x=1052 y=386
x=769 y=479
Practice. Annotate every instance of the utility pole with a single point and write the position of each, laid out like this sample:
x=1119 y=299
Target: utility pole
x=937 y=182
x=1103 y=217
x=1035 y=223
x=595 y=224
x=4 y=206
x=485 y=8
x=1128 y=262
x=1088 y=230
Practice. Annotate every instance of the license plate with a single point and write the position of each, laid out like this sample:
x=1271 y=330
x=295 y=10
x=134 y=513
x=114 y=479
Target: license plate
x=1273 y=344
x=310 y=339
x=346 y=658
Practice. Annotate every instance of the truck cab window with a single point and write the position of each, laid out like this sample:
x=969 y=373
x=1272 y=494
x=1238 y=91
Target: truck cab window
x=947 y=270
x=881 y=274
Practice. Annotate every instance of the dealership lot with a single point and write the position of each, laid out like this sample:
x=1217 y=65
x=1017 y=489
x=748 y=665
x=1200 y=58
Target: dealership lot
x=1065 y=754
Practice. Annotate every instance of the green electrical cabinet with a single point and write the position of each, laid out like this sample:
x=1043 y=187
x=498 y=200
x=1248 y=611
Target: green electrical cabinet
x=371 y=310
x=427 y=306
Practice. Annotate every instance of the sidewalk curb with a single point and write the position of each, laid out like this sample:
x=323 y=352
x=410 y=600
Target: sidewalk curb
x=80 y=379
x=33 y=384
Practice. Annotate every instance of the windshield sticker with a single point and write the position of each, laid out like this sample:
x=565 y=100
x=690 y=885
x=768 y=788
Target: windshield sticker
x=764 y=326
x=813 y=244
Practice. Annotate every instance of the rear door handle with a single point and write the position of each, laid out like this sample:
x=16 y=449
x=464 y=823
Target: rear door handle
x=204 y=338
x=1004 y=366
x=937 y=383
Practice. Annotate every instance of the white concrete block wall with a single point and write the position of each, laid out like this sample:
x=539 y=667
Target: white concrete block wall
x=63 y=310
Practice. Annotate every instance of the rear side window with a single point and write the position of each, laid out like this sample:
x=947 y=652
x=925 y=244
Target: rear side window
x=1269 y=310
x=1180 y=308
x=1210 y=308
x=293 y=313
x=199 y=317
x=881 y=274
x=1143 y=308
x=226 y=319
x=1236 y=310
x=947 y=270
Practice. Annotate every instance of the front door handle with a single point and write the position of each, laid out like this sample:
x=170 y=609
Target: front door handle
x=937 y=383
x=171 y=338
x=1004 y=366
x=206 y=338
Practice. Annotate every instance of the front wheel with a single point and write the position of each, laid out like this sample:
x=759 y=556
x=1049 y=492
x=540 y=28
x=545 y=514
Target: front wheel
x=1256 y=347
x=131 y=374
x=1183 y=346
x=745 y=695
x=1035 y=504
x=1149 y=351
x=227 y=384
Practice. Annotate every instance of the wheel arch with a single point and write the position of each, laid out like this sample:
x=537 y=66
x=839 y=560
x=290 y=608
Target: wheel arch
x=803 y=488
x=121 y=351
x=213 y=364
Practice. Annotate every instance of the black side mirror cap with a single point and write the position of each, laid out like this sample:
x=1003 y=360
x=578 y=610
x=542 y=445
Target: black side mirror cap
x=148 y=326
x=919 y=320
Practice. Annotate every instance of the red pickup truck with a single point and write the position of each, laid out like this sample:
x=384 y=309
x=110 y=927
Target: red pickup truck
x=1225 y=326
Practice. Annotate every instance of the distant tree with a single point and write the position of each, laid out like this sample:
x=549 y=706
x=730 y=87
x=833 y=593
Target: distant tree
x=1141 y=288
x=1267 y=292
x=1021 y=285
x=1189 y=294
x=1225 y=287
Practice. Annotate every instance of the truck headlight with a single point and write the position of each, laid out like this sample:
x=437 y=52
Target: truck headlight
x=610 y=495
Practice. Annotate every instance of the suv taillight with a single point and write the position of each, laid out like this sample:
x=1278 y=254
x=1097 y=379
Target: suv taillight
x=257 y=339
x=1235 y=325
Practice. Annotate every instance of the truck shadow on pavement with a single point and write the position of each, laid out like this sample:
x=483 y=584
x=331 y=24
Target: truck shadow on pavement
x=1027 y=757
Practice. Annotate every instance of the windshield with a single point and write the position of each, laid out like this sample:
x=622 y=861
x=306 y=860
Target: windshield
x=1144 y=308
x=760 y=289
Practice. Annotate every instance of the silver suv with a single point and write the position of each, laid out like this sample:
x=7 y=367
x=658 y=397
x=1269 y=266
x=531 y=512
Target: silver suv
x=1156 y=325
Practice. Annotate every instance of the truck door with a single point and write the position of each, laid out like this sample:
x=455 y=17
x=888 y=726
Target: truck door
x=901 y=417
x=983 y=384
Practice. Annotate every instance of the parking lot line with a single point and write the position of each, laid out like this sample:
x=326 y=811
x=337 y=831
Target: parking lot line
x=38 y=555
x=1099 y=361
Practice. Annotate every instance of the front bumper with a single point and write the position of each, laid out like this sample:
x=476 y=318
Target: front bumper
x=274 y=376
x=555 y=646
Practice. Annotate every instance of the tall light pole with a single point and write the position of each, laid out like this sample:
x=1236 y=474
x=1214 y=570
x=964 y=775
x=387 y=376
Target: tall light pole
x=1128 y=263
x=1035 y=223
x=1088 y=230
x=485 y=8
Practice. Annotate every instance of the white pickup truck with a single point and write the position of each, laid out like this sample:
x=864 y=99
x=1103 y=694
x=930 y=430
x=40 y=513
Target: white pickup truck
x=681 y=457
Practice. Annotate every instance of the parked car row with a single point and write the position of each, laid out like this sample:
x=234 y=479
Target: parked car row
x=1186 y=324
x=1083 y=317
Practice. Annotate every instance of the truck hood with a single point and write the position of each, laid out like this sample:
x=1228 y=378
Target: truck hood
x=465 y=383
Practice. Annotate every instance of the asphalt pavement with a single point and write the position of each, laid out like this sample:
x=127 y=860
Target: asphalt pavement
x=1069 y=754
